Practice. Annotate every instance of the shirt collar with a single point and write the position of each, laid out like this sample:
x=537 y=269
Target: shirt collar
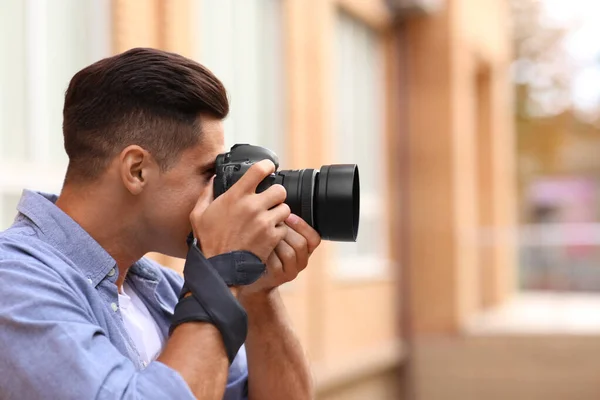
x=66 y=235
x=145 y=270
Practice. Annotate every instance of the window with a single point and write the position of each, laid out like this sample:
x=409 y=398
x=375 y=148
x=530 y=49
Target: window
x=241 y=42
x=45 y=42
x=359 y=138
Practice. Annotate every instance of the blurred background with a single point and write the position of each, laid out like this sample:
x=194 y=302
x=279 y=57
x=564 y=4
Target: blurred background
x=476 y=127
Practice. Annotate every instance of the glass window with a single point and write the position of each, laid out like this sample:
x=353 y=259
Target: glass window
x=241 y=42
x=43 y=43
x=13 y=141
x=9 y=209
x=359 y=137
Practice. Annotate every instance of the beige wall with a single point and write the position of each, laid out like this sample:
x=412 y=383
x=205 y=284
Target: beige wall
x=461 y=145
x=345 y=318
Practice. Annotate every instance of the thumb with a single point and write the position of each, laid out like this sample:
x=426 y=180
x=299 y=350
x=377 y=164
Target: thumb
x=207 y=197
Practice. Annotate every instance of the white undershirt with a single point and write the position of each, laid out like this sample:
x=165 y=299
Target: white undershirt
x=140 y=324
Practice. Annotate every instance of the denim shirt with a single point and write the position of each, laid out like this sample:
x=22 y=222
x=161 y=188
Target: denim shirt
x=61 y=331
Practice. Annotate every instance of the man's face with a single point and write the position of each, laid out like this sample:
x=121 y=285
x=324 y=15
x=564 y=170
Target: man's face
x=170 y=199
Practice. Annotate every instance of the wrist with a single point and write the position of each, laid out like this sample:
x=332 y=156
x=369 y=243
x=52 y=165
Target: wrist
x=207 y=250
x=212 y=301
x=258 y=303
x=256 y=297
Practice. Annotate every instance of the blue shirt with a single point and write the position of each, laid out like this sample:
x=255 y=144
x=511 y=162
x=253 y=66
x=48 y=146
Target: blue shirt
x=61 y=332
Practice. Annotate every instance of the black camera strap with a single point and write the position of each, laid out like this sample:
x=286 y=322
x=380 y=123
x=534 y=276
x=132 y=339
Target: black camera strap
x=211 y=300
x=236 y=268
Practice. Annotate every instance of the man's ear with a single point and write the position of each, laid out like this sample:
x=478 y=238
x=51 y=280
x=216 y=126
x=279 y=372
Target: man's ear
x=136 y=167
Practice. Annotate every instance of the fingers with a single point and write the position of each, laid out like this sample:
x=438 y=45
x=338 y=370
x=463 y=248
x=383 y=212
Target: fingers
x=299 y=244
x=287 y=257
x=274 y=236
x=281 y=231
x=206 y=197
x=274 y=267
x=255 y=174
x=281 y=264
x=279 y=214
x=313 y=239
x=274 y=195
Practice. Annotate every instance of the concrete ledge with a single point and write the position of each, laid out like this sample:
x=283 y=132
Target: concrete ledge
x=373 y=362
x=502 y=367
x=541 y=313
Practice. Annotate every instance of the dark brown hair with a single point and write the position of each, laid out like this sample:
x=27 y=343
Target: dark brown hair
x=143 y=96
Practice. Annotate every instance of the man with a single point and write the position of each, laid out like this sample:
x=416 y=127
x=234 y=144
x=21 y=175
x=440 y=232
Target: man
x=84 y=315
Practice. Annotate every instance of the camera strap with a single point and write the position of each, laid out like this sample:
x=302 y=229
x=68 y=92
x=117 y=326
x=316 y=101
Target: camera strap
x=236 y=268
x=211 y=300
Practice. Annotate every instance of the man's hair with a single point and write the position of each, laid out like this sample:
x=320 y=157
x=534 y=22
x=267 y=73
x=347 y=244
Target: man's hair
x=146 y=97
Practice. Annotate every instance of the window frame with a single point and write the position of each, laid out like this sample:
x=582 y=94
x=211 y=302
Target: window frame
x=379 y=265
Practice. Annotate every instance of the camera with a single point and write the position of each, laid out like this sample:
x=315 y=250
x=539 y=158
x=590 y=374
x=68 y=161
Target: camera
x=327 y=199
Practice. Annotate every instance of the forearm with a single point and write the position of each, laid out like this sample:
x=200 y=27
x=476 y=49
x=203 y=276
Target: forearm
x=277 y=365
x=196 y=351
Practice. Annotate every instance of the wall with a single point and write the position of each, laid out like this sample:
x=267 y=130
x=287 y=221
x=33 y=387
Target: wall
x=461 y=164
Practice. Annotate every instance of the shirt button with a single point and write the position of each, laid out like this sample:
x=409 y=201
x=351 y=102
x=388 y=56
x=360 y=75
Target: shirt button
x=114 y=306
x=90 y=280
x=144 y=364
x=111 y=272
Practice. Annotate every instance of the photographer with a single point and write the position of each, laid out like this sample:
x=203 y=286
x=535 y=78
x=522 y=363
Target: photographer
x=84 y=315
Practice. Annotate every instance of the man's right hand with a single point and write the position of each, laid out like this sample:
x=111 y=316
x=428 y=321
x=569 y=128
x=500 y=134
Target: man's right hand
x=241 y=219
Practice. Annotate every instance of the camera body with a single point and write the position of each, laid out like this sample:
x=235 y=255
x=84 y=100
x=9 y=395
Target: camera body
x=328 y=199
x=231 y=166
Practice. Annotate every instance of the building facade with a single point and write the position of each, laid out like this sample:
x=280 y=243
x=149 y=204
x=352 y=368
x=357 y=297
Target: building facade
x=417 y=96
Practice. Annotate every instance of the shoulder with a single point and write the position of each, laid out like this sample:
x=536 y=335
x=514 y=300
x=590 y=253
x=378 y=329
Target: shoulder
x=19 y=240
x=22 y=244
x=31 y=268
x=39 y=284
x=22 y=247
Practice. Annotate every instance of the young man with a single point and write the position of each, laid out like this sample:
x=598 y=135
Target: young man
x=84 y=315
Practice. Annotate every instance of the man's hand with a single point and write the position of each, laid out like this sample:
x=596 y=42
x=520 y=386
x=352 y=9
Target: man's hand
x=241 y=219
x=289 y=258
x=272 y=346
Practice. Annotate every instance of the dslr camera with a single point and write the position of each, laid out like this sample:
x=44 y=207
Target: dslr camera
x=327 y=199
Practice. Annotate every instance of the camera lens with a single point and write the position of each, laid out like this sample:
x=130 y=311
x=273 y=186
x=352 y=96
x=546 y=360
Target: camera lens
x=328 y=199
x=338 y=202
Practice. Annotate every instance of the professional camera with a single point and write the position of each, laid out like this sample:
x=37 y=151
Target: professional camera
x=328 y=199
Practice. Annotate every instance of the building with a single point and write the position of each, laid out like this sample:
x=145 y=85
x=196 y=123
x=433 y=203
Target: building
x=415 y=92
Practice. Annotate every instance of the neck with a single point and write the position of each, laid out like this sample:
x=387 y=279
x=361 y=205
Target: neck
x=95 y=213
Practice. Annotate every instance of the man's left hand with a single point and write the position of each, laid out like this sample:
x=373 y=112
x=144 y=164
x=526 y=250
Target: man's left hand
x=289 y=258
